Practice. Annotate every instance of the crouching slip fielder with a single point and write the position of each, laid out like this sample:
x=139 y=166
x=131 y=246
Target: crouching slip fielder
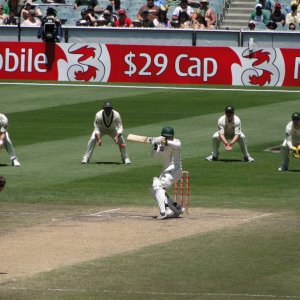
x=6 y=142
x=229 y=128
x=292 y=139
x=107 y=121
x=169 y=148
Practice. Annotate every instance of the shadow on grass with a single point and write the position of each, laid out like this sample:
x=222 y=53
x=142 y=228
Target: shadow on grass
x=231 y=160
x=4 y=165
x=107 y=163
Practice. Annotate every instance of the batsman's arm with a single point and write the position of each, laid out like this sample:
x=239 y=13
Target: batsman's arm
x=2 y=136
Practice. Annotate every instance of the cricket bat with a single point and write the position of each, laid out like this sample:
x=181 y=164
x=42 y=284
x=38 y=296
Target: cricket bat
x=139 y=138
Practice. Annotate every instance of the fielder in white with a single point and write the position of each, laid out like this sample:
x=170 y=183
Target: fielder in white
x=229 y=132
x=107 y=122
x=6 y=142
x=292 y=139
x=169 y=149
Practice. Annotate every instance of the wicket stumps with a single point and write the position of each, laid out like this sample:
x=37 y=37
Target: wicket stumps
x=183 y=187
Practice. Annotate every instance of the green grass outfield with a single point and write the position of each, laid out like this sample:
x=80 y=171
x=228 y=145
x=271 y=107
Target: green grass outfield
x=50 y=127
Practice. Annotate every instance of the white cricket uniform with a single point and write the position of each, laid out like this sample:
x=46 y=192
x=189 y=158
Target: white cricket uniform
x=171 y=173
x=107 y=125
x=292 y=138
x=229 y=130
x=7 y=142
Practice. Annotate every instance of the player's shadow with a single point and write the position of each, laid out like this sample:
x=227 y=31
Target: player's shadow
x=231 y=160
x=295 y=171
x=4 y=165
x=107 y=163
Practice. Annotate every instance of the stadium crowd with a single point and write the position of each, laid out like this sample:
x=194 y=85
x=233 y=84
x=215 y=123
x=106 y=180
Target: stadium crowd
x=185 y=14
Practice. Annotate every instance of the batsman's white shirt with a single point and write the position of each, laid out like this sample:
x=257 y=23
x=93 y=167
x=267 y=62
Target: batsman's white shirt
x=111 y=123
x=229 y=129
x=3 y=123
x=292 y=135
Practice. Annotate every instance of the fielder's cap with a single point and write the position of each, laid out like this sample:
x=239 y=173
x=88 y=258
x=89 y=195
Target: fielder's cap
x=229 y=109
x=167 y=131
x=258 y=5
x=122 y=11
x=296 y=116
x=277 y=5
x=107 y=104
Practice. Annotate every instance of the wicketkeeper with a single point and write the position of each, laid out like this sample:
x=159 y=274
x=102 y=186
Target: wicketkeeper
x=291 y=141
x=229 y=132
x=6 y=142
x=107 y=122
x=169 y=149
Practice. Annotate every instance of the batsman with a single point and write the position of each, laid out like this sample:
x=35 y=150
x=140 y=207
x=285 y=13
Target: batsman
x=168 y=148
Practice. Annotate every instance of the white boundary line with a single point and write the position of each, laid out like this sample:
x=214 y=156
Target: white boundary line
x=97 y=214
x=152 y=87
x=158 y=293
x=257 y=217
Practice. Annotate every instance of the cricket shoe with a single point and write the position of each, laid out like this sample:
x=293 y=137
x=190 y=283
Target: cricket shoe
x=282 y=168
x=248 y=159
x=15 y=163
x=211 y=158
x=168 y=214
x=85 y=160
x=127 y=161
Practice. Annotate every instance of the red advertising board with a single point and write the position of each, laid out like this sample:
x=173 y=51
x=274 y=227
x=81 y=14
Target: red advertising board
x=155 y=64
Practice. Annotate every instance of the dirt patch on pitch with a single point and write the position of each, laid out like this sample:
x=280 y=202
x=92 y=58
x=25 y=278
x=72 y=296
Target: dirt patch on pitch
x=82 y=236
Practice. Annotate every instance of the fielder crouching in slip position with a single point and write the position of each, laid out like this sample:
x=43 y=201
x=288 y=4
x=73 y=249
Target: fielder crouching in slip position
x=291 y=141
x=169 y=148
x=107 y=121
x=229 y=132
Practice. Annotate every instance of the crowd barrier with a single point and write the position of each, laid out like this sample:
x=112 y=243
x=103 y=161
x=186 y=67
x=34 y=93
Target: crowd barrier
x=162 y=37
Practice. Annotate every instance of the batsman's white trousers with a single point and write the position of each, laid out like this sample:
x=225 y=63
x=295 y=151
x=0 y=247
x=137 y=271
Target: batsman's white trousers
x=112 y=133
x=160 y=185
x=216 y=144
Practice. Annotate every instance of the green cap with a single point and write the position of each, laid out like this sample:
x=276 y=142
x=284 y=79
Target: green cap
x=229 y=109
x=296 y=116
x=107 y=104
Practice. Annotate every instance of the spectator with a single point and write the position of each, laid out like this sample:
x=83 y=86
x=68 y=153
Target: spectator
x=184 y=20
x=11 y=20
x=259 y=16
x=162 y=21
x=267 y=6
x=277 y=16
x=272 y=25
x=111 y=10
x=32 y=20
x=146 y=22
x=106 y=19
x=88 y=3
x=292 y=139
x=297 y=2
x=205 y=17
x=116 y=4
x=91 y=17
x=292 y=27
x=183 y=6
x=293 y=16
x=123 y=20
x=6 y=142
x=229 y=132
x=24 y=13
x=251 y=25
x=84 y=21
x=3 y=16
x=153 y=11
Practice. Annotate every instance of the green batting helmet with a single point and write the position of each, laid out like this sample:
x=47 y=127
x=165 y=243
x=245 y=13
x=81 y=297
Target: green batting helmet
x=167 y=131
